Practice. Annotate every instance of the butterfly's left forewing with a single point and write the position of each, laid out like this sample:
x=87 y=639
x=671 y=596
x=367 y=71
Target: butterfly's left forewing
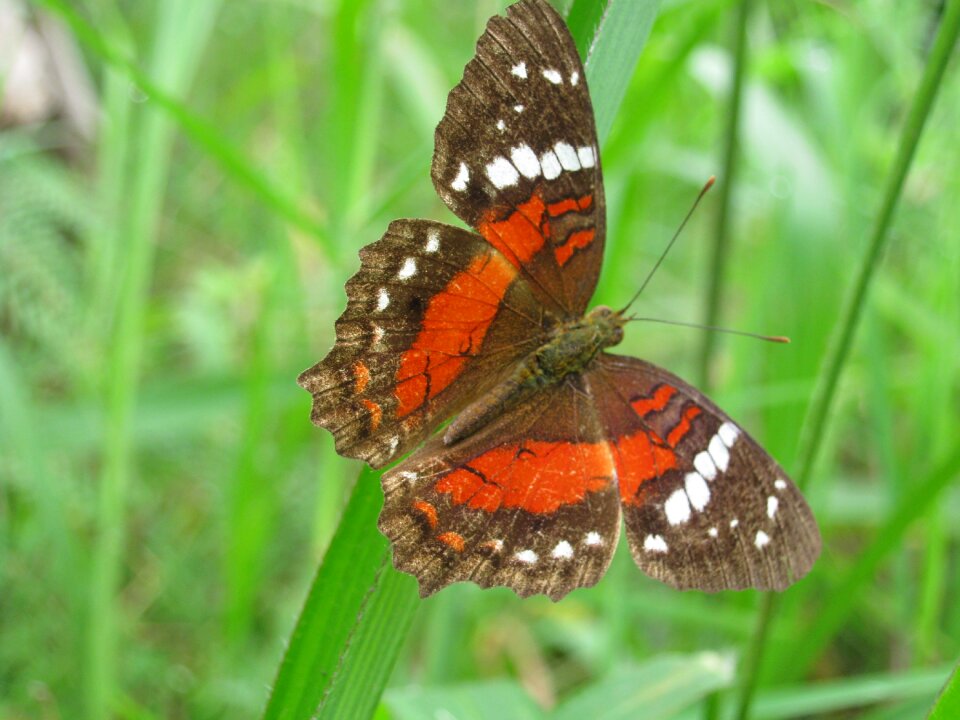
x=704 y=505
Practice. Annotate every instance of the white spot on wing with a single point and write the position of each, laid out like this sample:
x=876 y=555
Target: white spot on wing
x=520 y=70
x=463 y=177
x=655 y=543
x=677 y=507
x=734 y=523
x=526 y=161
x=704 y=465
x=527 y=556
x=567 y=156
x=501 y=125
x=779 y=484
x=772 y=504
x=553 y=76
x=697 y=490
x=433 y=241
x=502 y=173
x=593 y=538
x=408 y=270
x=718 y=451
x=563 y=550
x=587 y=157
x=394 y=442
x=408 y=475
x=575 y=78
x=728 y=433
x=712 y=532
x=551 y=165
x=377 y=334
x=383 y=300
x=761 y=539
x=495 y=545
x=518 y=108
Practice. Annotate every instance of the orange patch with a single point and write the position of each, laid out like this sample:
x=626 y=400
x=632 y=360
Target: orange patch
x=570 y=205
x=376 y=413
x=453 y=328
x=577 y=240
x=428 y=511
x=640 y=457
x=683 y=427
x=538 y=477
x=519 y=237
x=452 y=539
x=361 y=374
x=656 y=402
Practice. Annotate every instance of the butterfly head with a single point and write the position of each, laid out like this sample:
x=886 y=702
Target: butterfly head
x=608 y=325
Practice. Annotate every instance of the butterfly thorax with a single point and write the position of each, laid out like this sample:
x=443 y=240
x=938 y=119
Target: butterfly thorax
x=569 y=349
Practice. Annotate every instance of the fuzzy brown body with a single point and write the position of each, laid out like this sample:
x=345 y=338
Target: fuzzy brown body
x=569 y=350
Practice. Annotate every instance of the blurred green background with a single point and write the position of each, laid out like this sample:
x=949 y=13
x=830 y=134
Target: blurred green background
x=169 y=263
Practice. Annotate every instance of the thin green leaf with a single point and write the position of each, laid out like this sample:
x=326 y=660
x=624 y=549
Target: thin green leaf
x=656 y=689
x=947 y=705
x=497 y=700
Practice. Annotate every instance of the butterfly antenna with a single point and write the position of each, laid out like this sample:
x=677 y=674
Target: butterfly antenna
x=712 y=328
x=666 y=250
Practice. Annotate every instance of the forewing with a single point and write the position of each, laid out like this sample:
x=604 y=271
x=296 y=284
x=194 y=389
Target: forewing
x=434 y=316
x=704 y=505
x=516 y=154
x=530 y=502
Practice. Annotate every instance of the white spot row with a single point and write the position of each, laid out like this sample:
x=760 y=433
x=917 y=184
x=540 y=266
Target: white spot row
x=695 y=493
x=524 y=161
x=554 y=76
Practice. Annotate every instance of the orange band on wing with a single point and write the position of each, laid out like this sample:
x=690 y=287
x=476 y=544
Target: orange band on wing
x=538 y=477
x=521 y=235
x=656 y=402
x=683 y=427
x=570 y=205
x=640 y=457
x=452 y=330
x=577 y=240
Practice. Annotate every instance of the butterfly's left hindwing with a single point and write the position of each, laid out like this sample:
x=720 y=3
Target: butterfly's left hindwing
x=529 y=502
x=704 y=505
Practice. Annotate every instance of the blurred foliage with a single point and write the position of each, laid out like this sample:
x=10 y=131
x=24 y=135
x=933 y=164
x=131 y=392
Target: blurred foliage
x=164 y=501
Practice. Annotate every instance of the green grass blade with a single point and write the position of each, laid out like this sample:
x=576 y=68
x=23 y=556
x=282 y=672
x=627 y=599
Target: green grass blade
x=837 y=354
x=126 y=346
x=356 y=597
x=656 y=689
x=495 y=700
x=202 y=132
x=616 y=43
x=721 y=233
x=947 y=705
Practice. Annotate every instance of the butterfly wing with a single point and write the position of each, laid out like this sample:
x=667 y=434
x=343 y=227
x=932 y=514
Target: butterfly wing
x=704 y=505
x=434 y=316
x=529 y=502
x=516 y=155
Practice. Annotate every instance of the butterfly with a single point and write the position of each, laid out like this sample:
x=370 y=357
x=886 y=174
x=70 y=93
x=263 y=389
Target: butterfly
x=554 y=440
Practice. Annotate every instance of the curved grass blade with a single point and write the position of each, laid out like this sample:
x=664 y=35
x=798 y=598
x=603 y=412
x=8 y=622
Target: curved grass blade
x=947 y=704
x=815 y=423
